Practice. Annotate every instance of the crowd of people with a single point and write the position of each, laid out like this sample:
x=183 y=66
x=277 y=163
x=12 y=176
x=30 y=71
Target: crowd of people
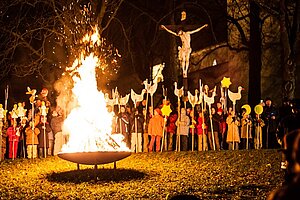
x=201 y=130
x=38 y=133
x=148 y=130
x=24 y=137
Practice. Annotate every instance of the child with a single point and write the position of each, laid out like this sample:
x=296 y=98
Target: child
x=155 y=129
x=13 y=135
x=246 y=129
x=137 y=122
x=32 y=141
x=183 y=123
x=202 y=133
x=258 y=123
x=233 y=137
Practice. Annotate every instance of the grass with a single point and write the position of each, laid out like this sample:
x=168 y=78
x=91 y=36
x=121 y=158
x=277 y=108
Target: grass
x=207 y=175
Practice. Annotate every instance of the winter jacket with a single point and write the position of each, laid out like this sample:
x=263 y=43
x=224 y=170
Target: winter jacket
x=199 y=126
x=42 y=135
x=215 y=122
x=171 y=127
x=156 y=125
x=183 y=123
x=123 y=122
x=29 y=136
x=233 y=129
x=12 y=134
x=139 y=120
x=244 y=122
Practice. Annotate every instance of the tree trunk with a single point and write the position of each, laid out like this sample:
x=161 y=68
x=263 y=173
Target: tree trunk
x=170 y=72
x=297 y=51
x=254 y=94
x=289 y=49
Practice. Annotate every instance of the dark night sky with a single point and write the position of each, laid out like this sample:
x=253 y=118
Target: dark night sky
x=147 y=42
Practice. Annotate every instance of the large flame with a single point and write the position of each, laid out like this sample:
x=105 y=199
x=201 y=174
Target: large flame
x=89 y=124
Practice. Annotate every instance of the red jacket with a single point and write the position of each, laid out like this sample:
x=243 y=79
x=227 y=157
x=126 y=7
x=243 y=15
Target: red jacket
x=199 y=126
x=12 y=134
x=171 y=127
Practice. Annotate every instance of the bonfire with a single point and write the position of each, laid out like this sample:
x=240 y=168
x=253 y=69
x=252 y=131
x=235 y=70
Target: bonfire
x=89 y=124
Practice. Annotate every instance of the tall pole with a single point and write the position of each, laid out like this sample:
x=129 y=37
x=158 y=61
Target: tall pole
x=163 y=136
x=44 y=111
x=32 y=119
x=211 y=127
x=178 y=127
x=225 y=100
x=6 y=98
x=247 y=145
x=135 y=129
x=202 y=110
x=45 y=142
x=1 y=125
x=193 y=129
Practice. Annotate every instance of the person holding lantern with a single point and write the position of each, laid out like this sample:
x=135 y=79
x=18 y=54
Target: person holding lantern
x=13 y=135
x=32 y=140
x=233 y=137
x=183 y=122
x=202 y=132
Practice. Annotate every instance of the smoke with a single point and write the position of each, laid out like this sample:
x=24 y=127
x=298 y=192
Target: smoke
x=65 y=99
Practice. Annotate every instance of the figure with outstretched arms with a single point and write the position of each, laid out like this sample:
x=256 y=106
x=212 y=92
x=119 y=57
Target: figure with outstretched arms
x=185 y=50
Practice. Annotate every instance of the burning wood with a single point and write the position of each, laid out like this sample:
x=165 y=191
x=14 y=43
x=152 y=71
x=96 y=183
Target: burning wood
x=89 y=124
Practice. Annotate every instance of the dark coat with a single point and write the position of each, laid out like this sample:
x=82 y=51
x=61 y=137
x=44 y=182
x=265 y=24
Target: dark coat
x=139 y=120
x=48 y=129
x=215 y=121
x=123 y=122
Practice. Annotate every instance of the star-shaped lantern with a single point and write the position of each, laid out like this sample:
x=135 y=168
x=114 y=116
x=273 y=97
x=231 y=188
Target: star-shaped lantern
x=225 y=82
x=166 y=110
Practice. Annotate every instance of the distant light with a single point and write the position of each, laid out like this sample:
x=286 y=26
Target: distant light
x=214 y=62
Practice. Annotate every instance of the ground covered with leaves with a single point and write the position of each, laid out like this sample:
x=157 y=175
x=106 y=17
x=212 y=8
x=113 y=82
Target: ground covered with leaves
x=240 y=174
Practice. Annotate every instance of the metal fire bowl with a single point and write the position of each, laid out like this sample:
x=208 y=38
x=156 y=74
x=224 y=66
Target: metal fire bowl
x=94 y=158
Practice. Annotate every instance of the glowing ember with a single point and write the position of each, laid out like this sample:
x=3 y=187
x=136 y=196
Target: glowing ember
x=89 y=124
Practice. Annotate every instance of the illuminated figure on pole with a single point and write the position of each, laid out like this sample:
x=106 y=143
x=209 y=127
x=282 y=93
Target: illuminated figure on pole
x=185 y=50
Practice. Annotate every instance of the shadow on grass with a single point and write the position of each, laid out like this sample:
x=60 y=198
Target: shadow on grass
x=96 y=175
x=249 y=190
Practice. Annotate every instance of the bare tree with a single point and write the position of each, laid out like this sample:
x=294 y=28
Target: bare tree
x=268 y=28
x=289 y=30
x=40 y=36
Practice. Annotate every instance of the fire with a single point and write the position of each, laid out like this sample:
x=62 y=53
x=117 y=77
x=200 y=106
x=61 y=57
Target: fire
x=89 y=124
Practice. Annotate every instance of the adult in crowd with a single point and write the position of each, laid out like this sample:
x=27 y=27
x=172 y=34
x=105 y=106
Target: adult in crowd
x=123 y=125
x=287 y=124
x=290 y=189
x=56 y=126
x=43 y=137
x=270 y=116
